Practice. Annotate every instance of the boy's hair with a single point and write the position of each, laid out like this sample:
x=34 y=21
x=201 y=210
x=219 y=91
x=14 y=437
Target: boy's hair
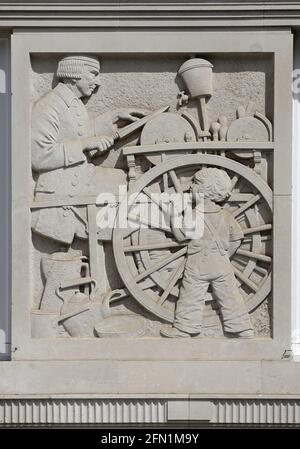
x=214 y=183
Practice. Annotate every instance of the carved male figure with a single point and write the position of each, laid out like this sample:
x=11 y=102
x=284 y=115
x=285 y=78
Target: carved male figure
x=208 y=263
x=64 y=140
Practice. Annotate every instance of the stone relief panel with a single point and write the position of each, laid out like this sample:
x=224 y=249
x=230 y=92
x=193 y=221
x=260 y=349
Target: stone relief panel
x=152 y=201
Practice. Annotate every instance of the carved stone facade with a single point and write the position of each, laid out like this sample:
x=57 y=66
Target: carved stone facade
x=152 y=191
x=151 y=159
x=186 y=144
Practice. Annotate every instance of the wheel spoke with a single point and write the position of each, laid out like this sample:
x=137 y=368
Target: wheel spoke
x=246 y=206
x=240 y=197
x=143 y=221
x=262 y=257
x=263 y=238
x=165 y=175
x=156 y=200
x=128 y=232
x=162 y=263
x=265 y=227
x=174 y=278
x=261 y=270
x=152 y=246
x=175 y=181
x=165 y=182
x=234 y=181
x=245 y=280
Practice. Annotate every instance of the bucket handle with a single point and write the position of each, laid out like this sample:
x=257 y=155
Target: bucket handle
x=75 y=283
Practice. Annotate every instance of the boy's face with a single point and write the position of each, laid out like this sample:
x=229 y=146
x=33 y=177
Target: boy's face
x=198 y=191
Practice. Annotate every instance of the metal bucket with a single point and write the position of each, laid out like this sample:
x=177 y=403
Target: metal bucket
x=79 y=316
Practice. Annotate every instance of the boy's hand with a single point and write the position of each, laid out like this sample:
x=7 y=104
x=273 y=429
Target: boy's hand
x=233 y=246
x=177 y=206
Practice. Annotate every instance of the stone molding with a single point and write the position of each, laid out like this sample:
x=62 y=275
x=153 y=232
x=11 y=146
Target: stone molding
x=98 y=412
x=152 y=14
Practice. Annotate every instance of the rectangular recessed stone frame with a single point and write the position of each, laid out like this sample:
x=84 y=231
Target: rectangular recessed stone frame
x=279 y=44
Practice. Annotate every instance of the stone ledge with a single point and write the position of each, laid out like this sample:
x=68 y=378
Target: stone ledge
x=228 y=378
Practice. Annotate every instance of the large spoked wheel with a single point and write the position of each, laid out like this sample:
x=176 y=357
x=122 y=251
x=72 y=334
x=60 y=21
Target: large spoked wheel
x=151 y=262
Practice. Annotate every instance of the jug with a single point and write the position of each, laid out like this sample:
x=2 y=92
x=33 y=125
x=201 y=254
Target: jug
x=57 y=269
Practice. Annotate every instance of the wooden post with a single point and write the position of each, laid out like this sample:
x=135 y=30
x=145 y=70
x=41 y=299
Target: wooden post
x=96 y=251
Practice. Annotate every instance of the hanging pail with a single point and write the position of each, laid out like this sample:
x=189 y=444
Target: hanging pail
x=197 y=76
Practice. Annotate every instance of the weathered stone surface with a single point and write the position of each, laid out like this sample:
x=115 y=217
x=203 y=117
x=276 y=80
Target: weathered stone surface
x=67 y=369
x=148 y=82
x=65 y=143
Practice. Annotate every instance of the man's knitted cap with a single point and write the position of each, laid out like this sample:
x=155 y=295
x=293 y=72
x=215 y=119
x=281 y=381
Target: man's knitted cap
x=71 y=66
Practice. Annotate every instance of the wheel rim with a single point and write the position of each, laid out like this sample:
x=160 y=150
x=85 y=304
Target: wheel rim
x=150 y=300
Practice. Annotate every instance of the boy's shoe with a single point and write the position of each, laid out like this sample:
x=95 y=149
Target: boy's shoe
x=249 y=333
x=173 y=332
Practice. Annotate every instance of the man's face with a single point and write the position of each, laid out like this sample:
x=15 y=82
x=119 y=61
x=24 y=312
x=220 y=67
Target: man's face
x=89 y=81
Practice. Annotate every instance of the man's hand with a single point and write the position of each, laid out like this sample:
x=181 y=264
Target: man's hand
x=127 y=116
x=97 y=145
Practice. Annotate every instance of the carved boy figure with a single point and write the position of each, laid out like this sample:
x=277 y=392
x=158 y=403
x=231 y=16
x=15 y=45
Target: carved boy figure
x=208 y=263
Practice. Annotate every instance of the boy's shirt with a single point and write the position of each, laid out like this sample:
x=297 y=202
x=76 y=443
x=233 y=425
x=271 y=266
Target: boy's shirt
x=226 y=229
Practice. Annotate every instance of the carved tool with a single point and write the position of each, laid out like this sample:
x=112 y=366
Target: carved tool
x=129 y=129
x=215 y=127
x=224 y=127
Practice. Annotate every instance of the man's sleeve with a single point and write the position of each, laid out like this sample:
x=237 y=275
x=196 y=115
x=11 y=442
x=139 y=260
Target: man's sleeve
x=235 y=230
x=102 y=125
x=46 y=152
